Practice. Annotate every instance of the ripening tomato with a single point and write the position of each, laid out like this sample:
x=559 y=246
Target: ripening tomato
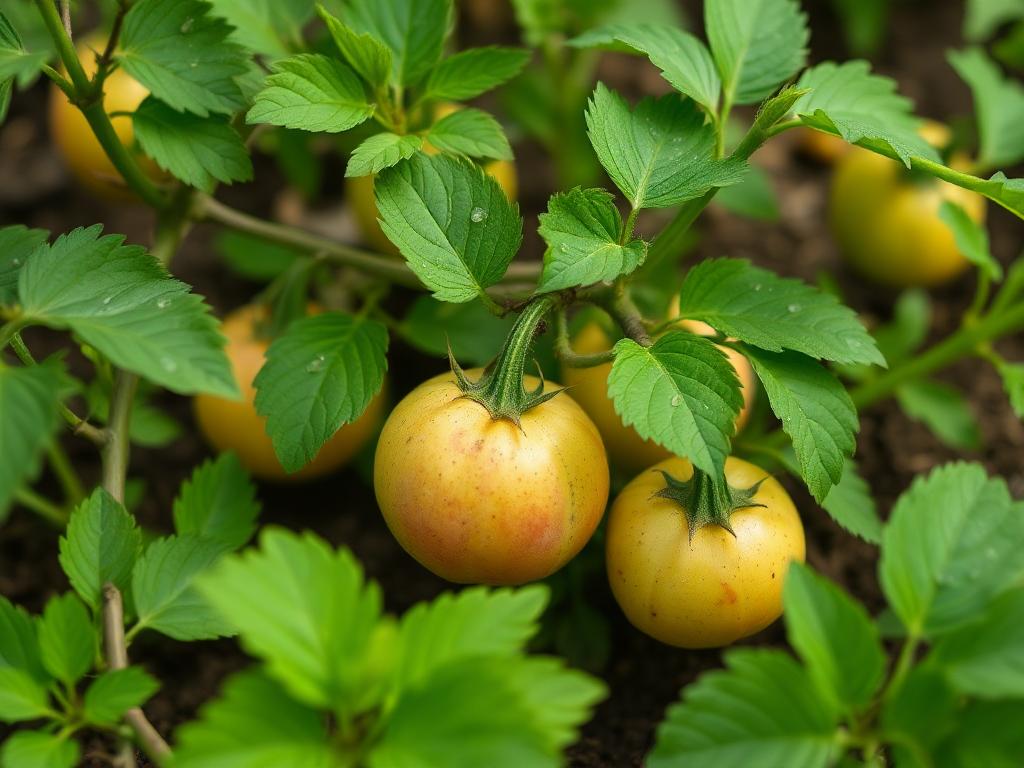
x=887 y=222
x=482 y=500
x=79 y=148
x=589 y=388
x=234 y=425
x=359 y=192
x=714 y=587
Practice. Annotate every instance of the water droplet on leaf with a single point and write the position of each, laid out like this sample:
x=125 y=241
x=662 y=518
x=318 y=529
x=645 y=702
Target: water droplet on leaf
x=168 y=364
x=477 y=215
x=676 y=400
x=793 y=308
x=316 y=364
x=163 y=303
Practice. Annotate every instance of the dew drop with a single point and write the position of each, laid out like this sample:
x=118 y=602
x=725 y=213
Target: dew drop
x=477 y=215
x=316 y=364
x=676 y=400
x=563 y=248
x=107 y=300
x=15 y=262
x=163 y=303
x=187 y=25
x=757 y=286
x=793 y=308
x=168 y=364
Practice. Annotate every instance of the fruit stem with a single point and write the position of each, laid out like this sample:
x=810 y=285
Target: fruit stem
x=707 y=500
x=500 y=389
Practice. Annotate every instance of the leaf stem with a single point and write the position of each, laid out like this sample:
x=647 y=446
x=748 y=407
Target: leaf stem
x=672 y=238
x=10 y=329
x=116 y=448
x=564 y=350
x=66 y=474
x=42 y=506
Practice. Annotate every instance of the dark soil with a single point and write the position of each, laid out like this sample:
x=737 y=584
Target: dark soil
x=644 y=676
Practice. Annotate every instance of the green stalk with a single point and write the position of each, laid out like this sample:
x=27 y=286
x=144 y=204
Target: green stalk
x=9 y=330
x=66 y=474
x=672 y=238
x=43 y=507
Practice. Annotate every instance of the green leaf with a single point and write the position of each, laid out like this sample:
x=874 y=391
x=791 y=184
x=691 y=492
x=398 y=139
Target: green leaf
x=815 y=410
x=320 y=374
x=986 y=658
x=953 y=541
x=181 y=53
x=255 y=258
x=1008 y=193
x=101 y=545
x=908 y=330
x=1013 y=382
x=19 y=645
x=22 y=697
x=763 y=711
x=28 y=421
x=582 y=229
x=918 y=714
x=166 y=599
x=472 y=331
x=757 y=44
x=999 y=107
x=67 y=640
x=660 y=154
x=469 y=73
x=218 y=503
x=312 y=93
x=414 y=30
x=475 y=622
x=121 y=301
x=470 y=132
x=774 y=313
x=681 y=392
x=17 y=243
x=971 y=238
x=851 y=505
x=116 y=691
x=267 y=27
x=302 y=608
x=752 y=198
x=367 y=55
x=198 y=150
x=943 y=410
x=987 y=736
x=984 y=17
x=150 y=426
x=38 y=749
x=482 y=712
x=835 y=637
x=380 y=151
x=685 y=62
x=862 y=108
x=452 y=223
x=255 y=724
x=15 y=61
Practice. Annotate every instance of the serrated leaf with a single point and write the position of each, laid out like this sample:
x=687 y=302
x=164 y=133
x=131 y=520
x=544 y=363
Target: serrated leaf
x=452 y=223
x=414 y=30
x=862 y=108
x=254 y=724
x=999 y=108
x=815 y=410
x=218 y=502
x=22 y=697
x=660 y=154
x=28 y=421
x=166 y=599
x=954 y=540
x=470 y=132
x=835 y=637
x=475 y=622
x=367 y=55
x=19 y=645
x=39 y=749
x=763 y=711
x=971 y=238
x=582 y=230
x=943 y=410
x=681 y=392
x=319 y=375
x=181 y=53
x=986 y=736
x=469 y=73
x=121 y=301
x=15 y=61
x=67 y=641
x=198 y=150
x=986 y=658
x=774 y=313
x=757 y=45
x=470 y=329
x=685 y=62
x=380 y=151
x=851 y=505
x=1013 y=382
x=116 y=691
x=268 y=27
x=302 y=608
x=312 y=93
x=1008 y=193
x=100 y=546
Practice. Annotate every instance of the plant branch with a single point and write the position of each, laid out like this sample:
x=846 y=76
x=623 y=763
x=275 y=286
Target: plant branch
x=115 y=449
x=42 y=506
x=673 y=236
x=565 y=352
x=66 y=474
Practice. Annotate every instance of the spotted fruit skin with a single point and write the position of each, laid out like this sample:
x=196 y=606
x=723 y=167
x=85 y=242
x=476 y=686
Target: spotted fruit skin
x=483 y=501
x=234 y=425
x=716 y=588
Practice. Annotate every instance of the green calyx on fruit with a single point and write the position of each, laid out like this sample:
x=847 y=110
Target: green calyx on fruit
x=706 y=500
x=500 y=389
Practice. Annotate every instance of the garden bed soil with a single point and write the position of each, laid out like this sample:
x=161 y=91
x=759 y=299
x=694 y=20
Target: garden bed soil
x=644 y=676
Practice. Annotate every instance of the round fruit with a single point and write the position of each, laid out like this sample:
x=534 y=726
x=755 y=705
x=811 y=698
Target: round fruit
x=710 y=588
x=82 y=153
x=589 y=388
x=887 y=223
x=482 y=500
x=234 y=425
x=821 y=147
